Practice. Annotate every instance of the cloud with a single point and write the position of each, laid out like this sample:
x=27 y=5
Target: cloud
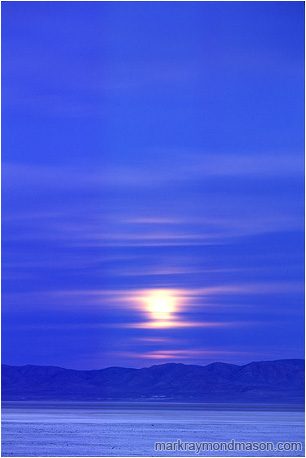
x=277 y=164
x=183 y=200
x=189 y=301
x=153 y=169
x=199 y=355
x=177 y=323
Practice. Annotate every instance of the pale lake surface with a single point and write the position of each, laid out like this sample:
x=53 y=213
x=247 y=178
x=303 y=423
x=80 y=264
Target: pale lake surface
x=131 y=429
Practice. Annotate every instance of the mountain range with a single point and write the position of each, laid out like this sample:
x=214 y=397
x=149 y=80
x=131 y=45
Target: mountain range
x=280 y=381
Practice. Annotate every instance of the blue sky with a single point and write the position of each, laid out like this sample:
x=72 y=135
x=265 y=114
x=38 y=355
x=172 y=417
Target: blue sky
x=152 y=156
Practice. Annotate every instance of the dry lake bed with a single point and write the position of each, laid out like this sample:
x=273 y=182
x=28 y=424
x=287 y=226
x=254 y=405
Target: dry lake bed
x=131 y=429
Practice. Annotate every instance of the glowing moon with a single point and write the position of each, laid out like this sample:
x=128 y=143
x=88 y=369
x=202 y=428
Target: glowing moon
x=161 y=304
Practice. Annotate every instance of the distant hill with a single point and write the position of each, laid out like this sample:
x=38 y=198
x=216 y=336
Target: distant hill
x=279 y=381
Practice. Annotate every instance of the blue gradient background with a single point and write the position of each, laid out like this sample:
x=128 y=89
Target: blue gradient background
x=152 y=145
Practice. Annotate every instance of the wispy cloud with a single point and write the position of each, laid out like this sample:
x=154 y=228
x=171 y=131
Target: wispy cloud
x=168 y=308
x=180 y=166
x=195 y=355
x=177 y=323
x=76 y=219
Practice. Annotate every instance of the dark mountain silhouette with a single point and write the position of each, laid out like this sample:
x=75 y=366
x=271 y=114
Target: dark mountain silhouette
x=279 y=381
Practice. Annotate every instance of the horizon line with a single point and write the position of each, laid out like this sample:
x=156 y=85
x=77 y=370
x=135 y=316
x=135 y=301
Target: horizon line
x=153 y=365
